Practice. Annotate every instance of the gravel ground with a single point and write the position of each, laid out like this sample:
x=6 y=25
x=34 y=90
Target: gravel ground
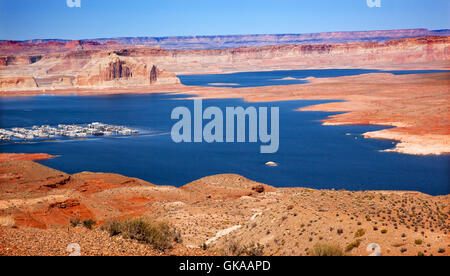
x=55 y=242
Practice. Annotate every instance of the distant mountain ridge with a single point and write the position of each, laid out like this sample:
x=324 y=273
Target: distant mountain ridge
x=81 y=64
x=259 y=40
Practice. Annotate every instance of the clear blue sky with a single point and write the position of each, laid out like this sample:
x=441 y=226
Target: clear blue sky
x=31 y=19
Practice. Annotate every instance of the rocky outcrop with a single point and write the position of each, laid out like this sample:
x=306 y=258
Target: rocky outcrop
x=19 y=60
x=53 y=46
x=7 y=83
x=80 y=45
x=164 y=77
x=153 y=74
x=117 y=70
x=63 y=82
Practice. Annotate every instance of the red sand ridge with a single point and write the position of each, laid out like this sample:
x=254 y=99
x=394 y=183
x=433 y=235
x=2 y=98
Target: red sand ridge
x=4 y=157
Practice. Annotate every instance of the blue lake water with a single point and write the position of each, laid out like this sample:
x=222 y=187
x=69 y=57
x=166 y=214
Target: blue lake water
x=265 y=78
x=310 y=155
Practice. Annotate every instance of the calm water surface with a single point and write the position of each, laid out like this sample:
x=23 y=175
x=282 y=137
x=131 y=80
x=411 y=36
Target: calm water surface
x=310 y=155
x=256 y=79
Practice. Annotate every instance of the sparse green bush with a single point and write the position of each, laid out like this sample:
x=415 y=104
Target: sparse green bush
x=384 y=231
x=75 y=222
x=89 y=223
x=234 y=248
x=360 y=233
x=418 y=242
x=160 y=235
x=352 y=245
x=254 y=250
x=114 y=228
x=326 y=250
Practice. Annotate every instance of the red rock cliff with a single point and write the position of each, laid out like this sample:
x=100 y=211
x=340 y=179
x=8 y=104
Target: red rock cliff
x=12 y=83
x=138 y=66
x=121 y=71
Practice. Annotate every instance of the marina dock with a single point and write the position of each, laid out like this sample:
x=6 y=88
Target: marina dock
x=61 y=130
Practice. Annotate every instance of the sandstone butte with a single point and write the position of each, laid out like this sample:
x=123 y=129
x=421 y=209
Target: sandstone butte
x=36 y=201
x=37 y=204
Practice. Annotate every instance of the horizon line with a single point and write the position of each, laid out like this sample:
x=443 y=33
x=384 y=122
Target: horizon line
x=220 y=35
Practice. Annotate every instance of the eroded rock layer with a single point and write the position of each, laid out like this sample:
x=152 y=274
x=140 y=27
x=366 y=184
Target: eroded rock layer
x=140 y=66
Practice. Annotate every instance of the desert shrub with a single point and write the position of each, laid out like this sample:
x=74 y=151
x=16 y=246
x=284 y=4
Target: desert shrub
x=89 y=223
x=418 y=242
x=114 y=228
x=352 y=245
x=235 y=248
x=160 y=235
x=326 y=250
x=75 y=222
x=138 y=229
x=232 y=248
x=384 y=231
x=254 y=250
x=360 y=233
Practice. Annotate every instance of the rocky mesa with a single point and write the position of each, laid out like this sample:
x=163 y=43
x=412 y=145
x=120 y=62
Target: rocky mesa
x=81 y=69
x=233 y=41
x=122 y=71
